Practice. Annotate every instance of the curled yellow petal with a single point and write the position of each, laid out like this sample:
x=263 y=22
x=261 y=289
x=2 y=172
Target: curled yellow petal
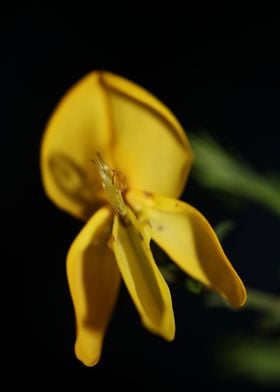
x=79 y=127
x=144 y=282
x=94 y=279
x=190 y=242
x=135 y=133
x=150 y=147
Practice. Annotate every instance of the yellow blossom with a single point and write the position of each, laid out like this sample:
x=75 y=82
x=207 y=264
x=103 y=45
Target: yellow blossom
x=126 y=198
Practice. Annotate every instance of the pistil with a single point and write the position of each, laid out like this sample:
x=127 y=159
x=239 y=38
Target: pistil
x=113 y=183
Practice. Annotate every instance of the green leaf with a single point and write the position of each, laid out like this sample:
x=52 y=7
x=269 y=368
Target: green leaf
x=254 y=359
x=217 y=169
x=257 y=300
x=169 y=272
x=223 y=228
x=193 y=286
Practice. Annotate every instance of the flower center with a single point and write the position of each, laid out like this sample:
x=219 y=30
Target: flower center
x=113 y=183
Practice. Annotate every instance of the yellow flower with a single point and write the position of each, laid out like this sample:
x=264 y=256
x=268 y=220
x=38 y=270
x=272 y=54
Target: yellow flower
x=128 y=197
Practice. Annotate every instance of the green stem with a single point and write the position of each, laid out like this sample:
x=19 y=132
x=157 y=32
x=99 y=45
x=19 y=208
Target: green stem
x=257 y=300
x=217 y=169
x=268 y=196
x=263 y=302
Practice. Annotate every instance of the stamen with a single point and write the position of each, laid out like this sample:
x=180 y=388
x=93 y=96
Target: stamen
x=114 y=184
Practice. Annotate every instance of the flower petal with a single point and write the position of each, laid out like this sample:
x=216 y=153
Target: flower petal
x=144 y=282
x=108 y=114
x=94 y=280
x=189 y=240
x=78 y=128
x=150 y=146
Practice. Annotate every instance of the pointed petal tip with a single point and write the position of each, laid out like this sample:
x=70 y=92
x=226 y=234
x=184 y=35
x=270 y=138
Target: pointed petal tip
x=85 y=358
x=168 y=333
x=170 y=329
x=170 y=336
x=238 y=301
x=166 y=330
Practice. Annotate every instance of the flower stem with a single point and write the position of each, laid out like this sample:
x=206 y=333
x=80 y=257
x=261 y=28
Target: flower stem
x=257 y=300
x=220 y=170
x=263 y=302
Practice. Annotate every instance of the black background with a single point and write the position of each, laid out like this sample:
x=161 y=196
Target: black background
x=215 y=71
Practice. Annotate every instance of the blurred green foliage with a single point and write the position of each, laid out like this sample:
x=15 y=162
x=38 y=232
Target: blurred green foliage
x=254 y=355
x=217 y=169
x=193 y=286
x=223 y=228
x=254 y=358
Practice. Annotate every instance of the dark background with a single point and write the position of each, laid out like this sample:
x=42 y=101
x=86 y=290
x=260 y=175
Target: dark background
x=215 y=71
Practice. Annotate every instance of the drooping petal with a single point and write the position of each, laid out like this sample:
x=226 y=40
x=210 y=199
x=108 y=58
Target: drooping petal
x=190 y=242
x=150 y=146
x=79 y=127
x=94 y=280
x=144 y=282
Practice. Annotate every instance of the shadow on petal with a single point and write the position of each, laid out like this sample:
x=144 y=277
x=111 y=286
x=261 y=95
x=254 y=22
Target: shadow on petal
x=80 y=186
x=94 y=279
x=100 y=281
